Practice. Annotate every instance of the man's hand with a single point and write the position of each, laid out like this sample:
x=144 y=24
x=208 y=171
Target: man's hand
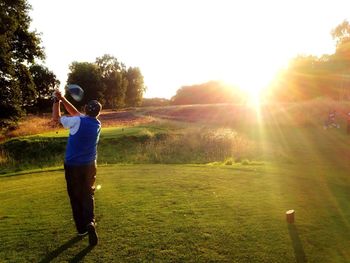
x=68 y=106
x=57 y=93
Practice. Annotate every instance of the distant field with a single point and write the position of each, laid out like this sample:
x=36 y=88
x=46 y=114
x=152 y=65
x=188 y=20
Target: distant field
x=233 y=115
x=190 y=185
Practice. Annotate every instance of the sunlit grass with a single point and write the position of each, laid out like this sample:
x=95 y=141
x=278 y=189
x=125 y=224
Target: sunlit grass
x=223 y=211
x=189 y=139
x=197 y=145
x=192 y=213
x=32 y=124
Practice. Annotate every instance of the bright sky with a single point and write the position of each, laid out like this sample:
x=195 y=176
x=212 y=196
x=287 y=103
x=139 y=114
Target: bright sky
x=185 y=42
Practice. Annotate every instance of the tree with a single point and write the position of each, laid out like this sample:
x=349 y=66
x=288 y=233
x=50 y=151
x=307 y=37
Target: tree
x=113 y=79
x=27 y=87
x=135 y=88
x=117 y=84
x=341 y=34
x=307 y=77
x=45 y=83
x=86 y=75
x=108 y=80
x=208 y=93
x=340 y=60
x=18 y=48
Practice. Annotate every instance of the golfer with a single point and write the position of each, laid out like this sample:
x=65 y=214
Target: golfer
x=80 y=161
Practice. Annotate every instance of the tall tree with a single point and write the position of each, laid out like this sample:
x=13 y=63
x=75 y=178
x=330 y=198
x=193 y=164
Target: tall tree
x=136 y=87
x=18 y=48
x=341 y=58
x=308 y=77
x=116 y=85
x=302 y=80
x=28 y=91
x=45 y=83
x=113 y=79
x=341 y=33
x=86 y=75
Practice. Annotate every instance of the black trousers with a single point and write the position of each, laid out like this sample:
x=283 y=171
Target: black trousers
x=81 y=188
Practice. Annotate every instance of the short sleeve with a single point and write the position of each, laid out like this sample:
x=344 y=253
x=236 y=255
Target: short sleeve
x=71 y=123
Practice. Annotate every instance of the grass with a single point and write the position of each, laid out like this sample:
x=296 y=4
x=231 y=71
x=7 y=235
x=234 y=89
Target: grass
x=188 y=213
x=30 y=125
x=151 y=143
x=227 y=210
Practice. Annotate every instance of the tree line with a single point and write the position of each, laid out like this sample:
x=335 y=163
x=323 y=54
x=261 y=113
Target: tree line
x=309 y=77
x=108 y=81
x=26 y=85
x=208 y=93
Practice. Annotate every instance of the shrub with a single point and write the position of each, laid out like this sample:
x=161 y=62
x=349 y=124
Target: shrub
x=229 y=162
x=189 y=145
x=245 y=162
x=27 y=153
x=196 y=146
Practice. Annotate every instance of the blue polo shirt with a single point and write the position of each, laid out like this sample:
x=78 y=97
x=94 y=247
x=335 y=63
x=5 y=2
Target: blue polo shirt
x=83 y=139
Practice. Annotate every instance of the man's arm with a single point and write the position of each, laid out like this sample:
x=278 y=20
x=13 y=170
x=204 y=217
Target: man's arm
x=70 y=107
x=56 y=111
x=67 y=105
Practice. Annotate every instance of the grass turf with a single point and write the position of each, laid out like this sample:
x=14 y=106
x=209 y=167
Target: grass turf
x=182 y=213
x=194 y=213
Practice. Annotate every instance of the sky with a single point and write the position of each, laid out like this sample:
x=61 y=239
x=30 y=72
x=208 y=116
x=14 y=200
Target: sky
x=184 y=42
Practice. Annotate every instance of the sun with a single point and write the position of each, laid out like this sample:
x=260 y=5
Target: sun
x=255 y=79
x=254 y=83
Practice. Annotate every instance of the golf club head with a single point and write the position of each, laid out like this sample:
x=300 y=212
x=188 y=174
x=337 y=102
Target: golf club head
x=75 y=91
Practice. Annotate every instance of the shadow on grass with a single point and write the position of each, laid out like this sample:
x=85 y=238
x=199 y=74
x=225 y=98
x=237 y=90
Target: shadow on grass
x=299 y=253
x=54 y=254
x=78 y=257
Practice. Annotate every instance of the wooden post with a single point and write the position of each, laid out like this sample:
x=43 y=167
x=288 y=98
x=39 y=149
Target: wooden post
x=290 y=216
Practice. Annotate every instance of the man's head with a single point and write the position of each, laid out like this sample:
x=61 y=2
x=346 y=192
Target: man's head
x=93 y=108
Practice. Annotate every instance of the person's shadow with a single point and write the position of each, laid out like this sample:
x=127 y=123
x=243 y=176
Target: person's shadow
x=78 y=257
x=55 y=253
x=299 y=253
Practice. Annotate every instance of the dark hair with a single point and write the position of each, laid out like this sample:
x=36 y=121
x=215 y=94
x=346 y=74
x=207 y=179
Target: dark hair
x=93 y=108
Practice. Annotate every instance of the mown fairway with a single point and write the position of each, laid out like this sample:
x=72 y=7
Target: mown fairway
x=160 y=213
x=193 y=213
x=188 y=213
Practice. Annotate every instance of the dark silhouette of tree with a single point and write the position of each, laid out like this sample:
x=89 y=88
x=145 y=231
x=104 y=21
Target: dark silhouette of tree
x=18 y=48
x=45 y=83
x=135 y=88
x=114 y=81
x=88 y=77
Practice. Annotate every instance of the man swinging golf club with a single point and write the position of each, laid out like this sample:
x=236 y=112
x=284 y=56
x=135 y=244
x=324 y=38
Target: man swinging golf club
x=80 y=161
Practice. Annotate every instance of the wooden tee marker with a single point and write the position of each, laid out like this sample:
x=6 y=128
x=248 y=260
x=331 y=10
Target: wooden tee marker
x=290 y=216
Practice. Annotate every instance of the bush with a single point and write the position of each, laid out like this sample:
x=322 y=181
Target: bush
x=187 y=146
x=245 y=162
x=27 y=153
x=229 y=162
x=196 y=146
